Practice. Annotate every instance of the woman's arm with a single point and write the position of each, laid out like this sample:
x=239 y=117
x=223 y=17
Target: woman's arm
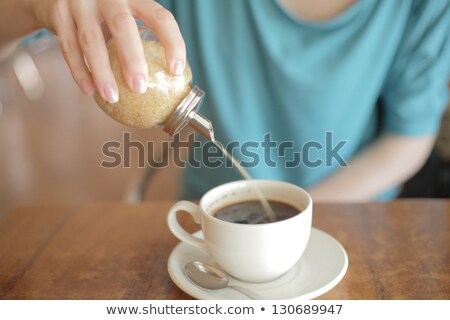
x=387 y=163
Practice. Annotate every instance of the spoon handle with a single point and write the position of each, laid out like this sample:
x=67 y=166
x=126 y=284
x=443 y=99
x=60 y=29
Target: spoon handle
x=247 y=292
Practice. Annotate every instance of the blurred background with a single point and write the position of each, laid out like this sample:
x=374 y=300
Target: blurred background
x=51 y=137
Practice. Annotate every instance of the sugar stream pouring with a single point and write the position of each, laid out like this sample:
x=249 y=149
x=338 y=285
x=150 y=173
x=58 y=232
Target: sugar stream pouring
x=170 y=102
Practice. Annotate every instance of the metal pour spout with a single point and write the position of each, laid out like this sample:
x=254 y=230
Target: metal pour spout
x=201 y=125
x=186 y=114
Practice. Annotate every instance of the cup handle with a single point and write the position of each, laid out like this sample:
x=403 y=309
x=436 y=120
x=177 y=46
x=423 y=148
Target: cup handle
x=175 y=227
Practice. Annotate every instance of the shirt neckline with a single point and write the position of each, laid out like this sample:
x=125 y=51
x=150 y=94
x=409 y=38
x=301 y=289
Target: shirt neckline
x=337 y=21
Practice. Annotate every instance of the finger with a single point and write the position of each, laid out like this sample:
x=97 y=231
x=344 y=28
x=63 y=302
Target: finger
x=65 y=29
x=128 y=43
x=106 y=33
x=162 y=22
x=92 y=43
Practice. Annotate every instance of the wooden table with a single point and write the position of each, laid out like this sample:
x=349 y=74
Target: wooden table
x=397 y=250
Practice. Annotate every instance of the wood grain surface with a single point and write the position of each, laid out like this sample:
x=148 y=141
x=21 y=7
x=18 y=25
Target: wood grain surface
x=397 y=250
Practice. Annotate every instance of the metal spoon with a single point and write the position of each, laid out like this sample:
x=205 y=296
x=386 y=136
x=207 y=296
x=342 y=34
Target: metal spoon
x=206 y=276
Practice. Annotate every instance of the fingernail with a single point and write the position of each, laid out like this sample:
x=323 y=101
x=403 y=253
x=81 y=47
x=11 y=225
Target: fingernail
x=139 y=84
x=110 y=94
x=178 y=68
x=86 y=88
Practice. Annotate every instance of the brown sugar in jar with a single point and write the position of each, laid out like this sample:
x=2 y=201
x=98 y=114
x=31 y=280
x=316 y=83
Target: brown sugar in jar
x=164 y=94
x=170 y=102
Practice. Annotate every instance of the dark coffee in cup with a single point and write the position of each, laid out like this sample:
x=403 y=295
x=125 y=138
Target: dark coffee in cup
x=252 y=212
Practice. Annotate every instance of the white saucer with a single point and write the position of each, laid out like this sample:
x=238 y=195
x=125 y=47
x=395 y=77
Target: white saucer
x=321 y=267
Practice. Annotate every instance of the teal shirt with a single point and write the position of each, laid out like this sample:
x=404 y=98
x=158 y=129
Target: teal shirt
x=380 y=66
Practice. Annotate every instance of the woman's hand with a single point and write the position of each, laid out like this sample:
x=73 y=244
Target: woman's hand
x=79 y=24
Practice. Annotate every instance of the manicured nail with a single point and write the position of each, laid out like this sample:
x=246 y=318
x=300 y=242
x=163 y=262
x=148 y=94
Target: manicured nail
x=86 y=88
x=178 y=68
x=139 y=84
x=110 y=94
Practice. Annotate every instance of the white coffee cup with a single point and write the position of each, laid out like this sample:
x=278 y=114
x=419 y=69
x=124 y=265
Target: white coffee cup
x=249 y=252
